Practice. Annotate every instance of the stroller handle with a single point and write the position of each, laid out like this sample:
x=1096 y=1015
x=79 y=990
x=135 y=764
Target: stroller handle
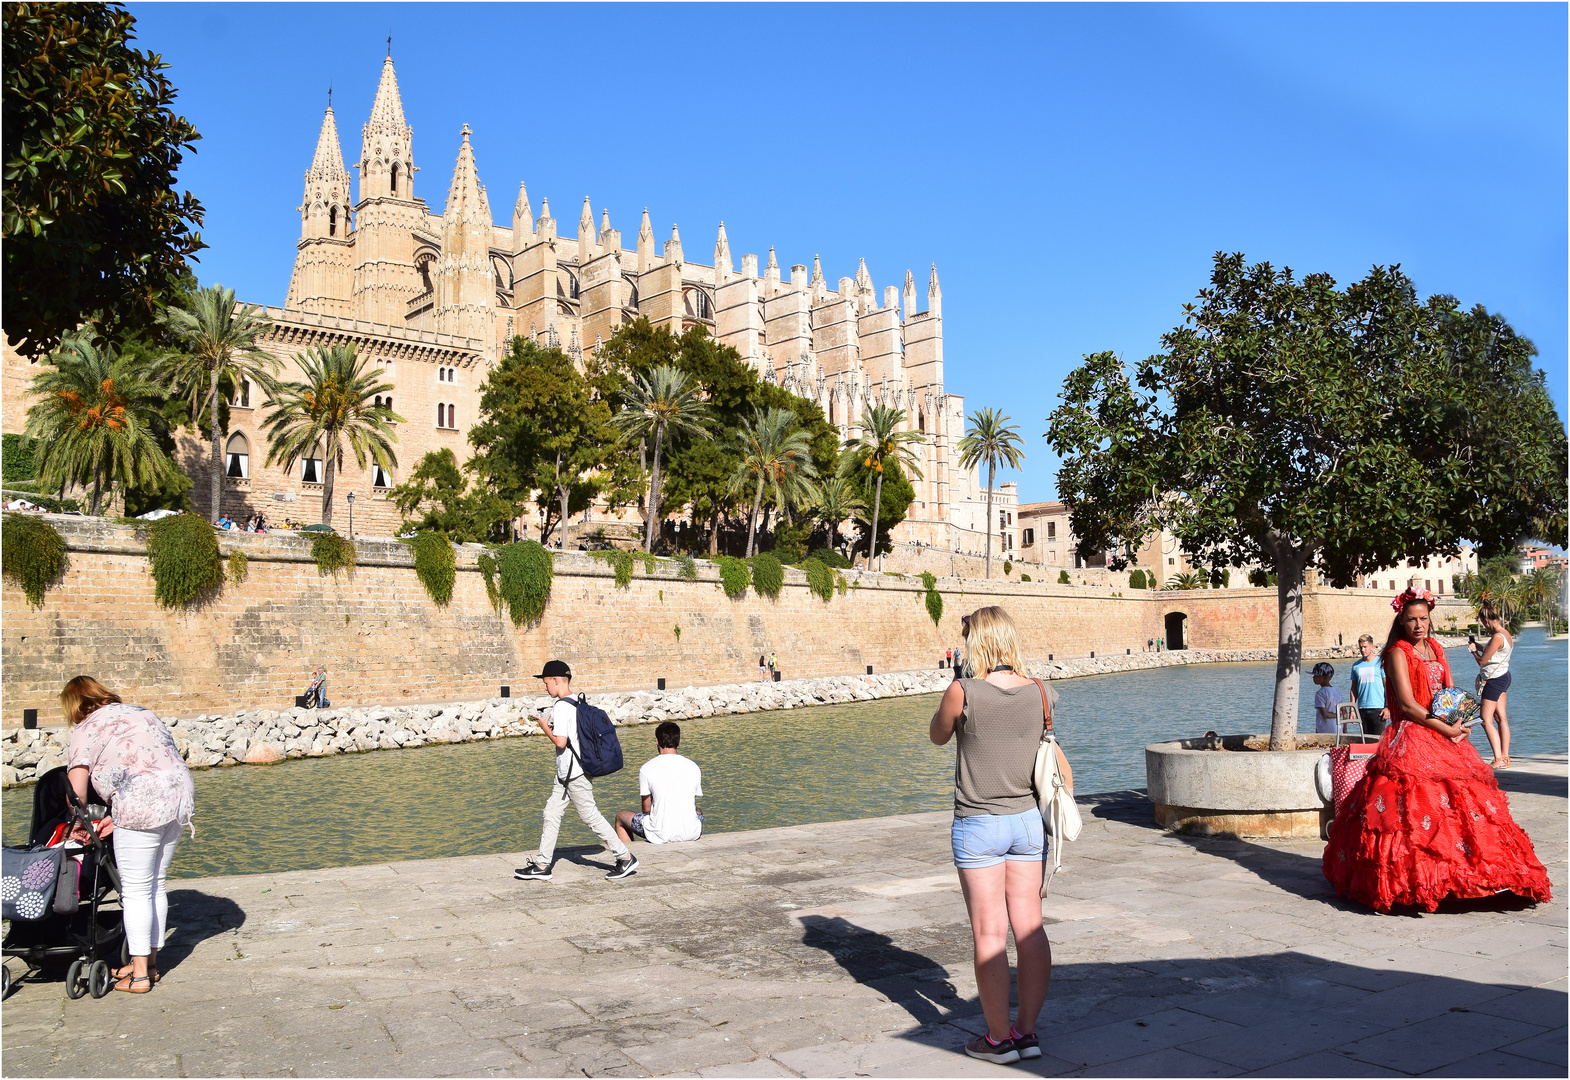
x=80 y=815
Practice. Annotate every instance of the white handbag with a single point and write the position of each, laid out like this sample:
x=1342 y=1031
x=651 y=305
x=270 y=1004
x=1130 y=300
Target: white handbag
x=1059 y=813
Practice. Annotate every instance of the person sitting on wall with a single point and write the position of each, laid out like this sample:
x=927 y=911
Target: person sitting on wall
x=670 y=785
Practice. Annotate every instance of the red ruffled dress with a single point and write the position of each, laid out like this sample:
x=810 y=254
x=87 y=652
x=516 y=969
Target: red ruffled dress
x=1428 y=820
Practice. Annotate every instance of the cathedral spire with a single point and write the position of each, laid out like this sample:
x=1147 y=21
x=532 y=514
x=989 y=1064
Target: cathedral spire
x=722 y=260
x=522 y=219
x=645 y=243
x=465 y=283
x=934 y=293
x=673 y=247
x=910 y=294
x=586 y=235
x=386 y=145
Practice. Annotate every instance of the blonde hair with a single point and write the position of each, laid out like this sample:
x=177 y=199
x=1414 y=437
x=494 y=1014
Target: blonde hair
x=991 y=640
x=1365 y=637
x=83 y=696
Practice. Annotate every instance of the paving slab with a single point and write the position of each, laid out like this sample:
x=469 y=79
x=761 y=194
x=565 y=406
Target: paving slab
x=839 y=949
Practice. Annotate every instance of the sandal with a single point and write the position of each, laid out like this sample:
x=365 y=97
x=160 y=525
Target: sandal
x=128 y=984
x=121 y=973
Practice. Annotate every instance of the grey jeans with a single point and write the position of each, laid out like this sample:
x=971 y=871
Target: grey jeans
x=580 y=793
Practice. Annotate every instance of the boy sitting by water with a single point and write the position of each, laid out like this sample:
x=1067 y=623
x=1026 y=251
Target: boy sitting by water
x=670 y=785
x=1327 y=699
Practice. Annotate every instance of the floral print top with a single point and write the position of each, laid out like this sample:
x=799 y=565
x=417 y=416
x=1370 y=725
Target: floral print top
x=134 y=763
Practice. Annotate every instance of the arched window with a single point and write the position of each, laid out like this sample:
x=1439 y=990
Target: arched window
x=332 y=221
x=311 y=467
x=395 y=178
x=379 y=477
x=238 y=462
x=243 y=398
x=452 y=415
x=441 y=414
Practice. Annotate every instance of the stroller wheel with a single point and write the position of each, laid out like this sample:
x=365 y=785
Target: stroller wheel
x=99 y=979
x=5 y=981
x=75 y=980
x=1324 y=830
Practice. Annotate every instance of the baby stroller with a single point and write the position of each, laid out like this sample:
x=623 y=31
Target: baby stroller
x=62 y=897
x=315 y=696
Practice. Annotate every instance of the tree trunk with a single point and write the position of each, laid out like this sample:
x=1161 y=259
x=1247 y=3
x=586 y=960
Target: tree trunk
x=654 y=494
x=714 y=532
x=98 y=488
x=563 y=493
x=329 y=472
x=218 y=471
x=752 y=518
x=1289 y=645
x=877 y=506
x=992 y=472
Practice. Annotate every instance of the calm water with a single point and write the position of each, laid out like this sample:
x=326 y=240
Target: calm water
x=777 y=768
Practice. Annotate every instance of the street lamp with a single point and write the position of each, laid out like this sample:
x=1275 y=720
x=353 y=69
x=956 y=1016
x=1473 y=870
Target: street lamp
x=351 y=515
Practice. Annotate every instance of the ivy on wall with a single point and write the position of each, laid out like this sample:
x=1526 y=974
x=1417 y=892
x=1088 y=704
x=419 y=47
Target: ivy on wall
x=182 y=552
x=239 y=566
x=435 y=564
x=33 y=555
x=487 y=566
x=331 y=552
x=524 y=574
x=934 y=599
x=620 y=561
x=16 y=459
x=735 y=576
x=768 y=576
x=820 y=579
x=686 y=568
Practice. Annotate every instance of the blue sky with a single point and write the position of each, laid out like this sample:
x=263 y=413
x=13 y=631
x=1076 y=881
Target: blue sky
x=1070 y=168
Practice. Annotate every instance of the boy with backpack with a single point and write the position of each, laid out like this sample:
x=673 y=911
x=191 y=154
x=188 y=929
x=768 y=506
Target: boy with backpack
x=586 y=747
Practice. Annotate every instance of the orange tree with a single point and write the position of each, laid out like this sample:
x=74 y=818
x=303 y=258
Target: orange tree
x=1297 y=425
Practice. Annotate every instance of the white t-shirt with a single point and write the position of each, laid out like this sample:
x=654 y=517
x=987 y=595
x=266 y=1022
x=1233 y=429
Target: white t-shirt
x=564 y=724
x=673 y=783
x=1326 y=701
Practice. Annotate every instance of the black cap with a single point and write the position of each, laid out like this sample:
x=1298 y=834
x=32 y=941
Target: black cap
x=555 y=669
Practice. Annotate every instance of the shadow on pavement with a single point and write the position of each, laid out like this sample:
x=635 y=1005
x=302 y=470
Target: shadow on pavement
x=914 y=982
x=1532 y=783
x=194 y=917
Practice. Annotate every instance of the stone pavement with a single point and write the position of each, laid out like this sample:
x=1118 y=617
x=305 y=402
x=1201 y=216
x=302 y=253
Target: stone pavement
x=838 y=949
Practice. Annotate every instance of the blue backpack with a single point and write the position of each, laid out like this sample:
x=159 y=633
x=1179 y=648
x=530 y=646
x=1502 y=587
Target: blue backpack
x=599 y=750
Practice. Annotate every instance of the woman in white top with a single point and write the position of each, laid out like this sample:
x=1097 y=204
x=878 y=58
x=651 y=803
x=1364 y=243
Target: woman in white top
x=1493 y=680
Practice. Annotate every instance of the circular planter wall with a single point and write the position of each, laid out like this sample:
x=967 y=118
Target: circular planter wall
x=1235 y=785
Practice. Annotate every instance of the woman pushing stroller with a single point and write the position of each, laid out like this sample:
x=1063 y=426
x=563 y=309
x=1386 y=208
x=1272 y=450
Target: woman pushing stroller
x=130 y=757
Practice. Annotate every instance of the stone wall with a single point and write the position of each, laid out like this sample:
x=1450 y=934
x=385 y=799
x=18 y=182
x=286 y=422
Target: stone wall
x=383 y=641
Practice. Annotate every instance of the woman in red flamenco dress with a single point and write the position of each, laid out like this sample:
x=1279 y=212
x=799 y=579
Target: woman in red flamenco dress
x=1428 y=820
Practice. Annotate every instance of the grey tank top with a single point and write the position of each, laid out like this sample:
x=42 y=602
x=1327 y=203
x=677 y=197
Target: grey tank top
x=997 y=739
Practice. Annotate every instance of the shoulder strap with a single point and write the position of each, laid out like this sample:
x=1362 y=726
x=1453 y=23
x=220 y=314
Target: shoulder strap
x=1046 y=704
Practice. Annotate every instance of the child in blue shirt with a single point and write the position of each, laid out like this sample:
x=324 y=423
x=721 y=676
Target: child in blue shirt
x=1327 y=699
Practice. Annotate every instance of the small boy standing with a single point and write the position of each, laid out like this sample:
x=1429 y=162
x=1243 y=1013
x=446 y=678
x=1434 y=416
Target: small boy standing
x=1327 y=699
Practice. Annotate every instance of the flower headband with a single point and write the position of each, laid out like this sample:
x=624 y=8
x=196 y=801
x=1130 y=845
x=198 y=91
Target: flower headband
x=1412 y=596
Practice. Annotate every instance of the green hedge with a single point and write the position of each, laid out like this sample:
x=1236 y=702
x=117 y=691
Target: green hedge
x=436 y=565
x=1136 y=580
x=1063 y=577
x=830 y=558
x=735 y=575
x=183 y=553
x=33 y=553
x=16 y=459
x=820 y=579
x=768 y=576
x=331 y=552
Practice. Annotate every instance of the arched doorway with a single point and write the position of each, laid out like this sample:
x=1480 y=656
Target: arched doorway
x=1176 y=625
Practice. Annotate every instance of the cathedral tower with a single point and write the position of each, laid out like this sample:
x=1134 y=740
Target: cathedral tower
x=385 y=278
x=465 y=281
x=323 y=263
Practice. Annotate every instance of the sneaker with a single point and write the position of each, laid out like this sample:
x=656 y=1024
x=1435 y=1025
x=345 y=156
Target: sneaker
x=999 y=1053
x=624 y=868
x=532 y=872
x=1027 y=1045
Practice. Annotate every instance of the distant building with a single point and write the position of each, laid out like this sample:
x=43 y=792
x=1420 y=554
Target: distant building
x=1437 y=575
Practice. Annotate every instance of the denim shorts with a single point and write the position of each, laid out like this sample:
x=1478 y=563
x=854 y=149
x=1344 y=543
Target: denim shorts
x=988 y=839
x=1494 y=689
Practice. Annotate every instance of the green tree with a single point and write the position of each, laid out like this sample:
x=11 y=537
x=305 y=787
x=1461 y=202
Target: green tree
x=96 y=416
x=94 y=231
x=439 y=491
x=333 y=406
x=992 y=441
x=216 y=343
x=882 y=445
x=838 y=499
x=664 y=404
x=1291 y=424
x=776 y=454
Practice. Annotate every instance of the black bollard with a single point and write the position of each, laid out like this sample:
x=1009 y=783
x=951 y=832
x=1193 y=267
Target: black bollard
x=660 y=684
x=869 y=669
x=777 y=676
x=30 y=718
x=506 y=691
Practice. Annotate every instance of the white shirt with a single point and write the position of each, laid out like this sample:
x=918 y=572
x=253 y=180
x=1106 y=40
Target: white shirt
x=564 y=724
x=673 y=783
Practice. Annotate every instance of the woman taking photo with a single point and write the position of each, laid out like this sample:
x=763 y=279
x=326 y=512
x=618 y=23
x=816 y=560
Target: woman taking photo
x=997 y=836
x=1428 y=820
x=1493 y=680
x=132 y=760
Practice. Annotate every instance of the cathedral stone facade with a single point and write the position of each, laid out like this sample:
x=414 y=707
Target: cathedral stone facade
x=434 y=298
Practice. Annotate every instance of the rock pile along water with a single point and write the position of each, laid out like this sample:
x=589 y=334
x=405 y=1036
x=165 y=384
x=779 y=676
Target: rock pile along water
x=263 y=736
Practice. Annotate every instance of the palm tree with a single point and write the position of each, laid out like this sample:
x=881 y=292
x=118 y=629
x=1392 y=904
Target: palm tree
x=333 y=405
x=666 y=405
x=838 y=500
x=777 y=453
x=217 y=343
x=95 y=419
x=881 y=443
x=992 y=440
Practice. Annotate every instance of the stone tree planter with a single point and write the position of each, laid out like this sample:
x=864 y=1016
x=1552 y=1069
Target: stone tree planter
x=1242 y=789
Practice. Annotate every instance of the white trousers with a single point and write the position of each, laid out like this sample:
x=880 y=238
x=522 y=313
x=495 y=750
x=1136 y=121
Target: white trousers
x=143 y=856
x=580 y=793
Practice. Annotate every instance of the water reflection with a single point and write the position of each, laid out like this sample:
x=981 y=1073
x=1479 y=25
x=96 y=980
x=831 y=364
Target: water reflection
x=781 y=768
